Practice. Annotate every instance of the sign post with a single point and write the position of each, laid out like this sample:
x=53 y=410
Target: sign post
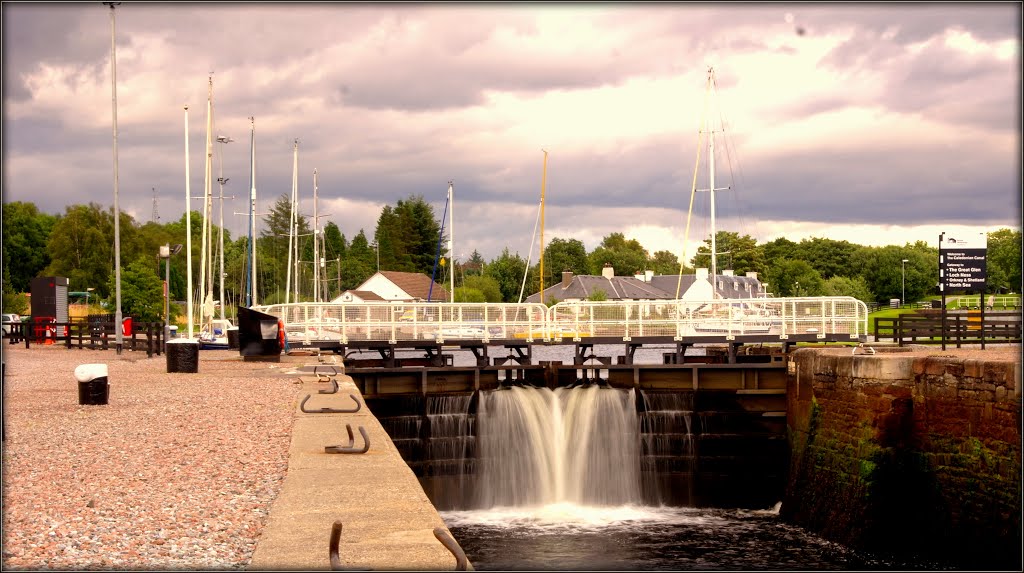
x=962 y=266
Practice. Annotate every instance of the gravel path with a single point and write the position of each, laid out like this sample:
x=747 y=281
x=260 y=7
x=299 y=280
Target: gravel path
x=177 y=471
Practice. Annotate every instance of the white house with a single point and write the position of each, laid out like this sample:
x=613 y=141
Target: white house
x=396 y=286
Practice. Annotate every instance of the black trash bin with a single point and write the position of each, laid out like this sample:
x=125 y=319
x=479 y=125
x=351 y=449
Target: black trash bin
x=93 y=386
x=233 y=338
x=182 y=355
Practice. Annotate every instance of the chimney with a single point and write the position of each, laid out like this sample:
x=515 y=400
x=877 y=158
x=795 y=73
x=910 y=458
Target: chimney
x=702 y=274
x=638 y=276
x=752 y=274
x=648 y=275
x=566 y=279
x=727 y=273
x=608 y=272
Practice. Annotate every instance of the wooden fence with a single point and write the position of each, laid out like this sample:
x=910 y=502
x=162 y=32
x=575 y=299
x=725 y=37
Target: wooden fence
x=960 y=328
x=148 y=336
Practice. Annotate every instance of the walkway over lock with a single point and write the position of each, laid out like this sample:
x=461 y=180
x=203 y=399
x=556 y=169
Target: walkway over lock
x=336 y=325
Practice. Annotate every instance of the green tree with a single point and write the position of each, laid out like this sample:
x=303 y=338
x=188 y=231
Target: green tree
x=666 y=263
x=407 y=236
x=741 y=254
x=627 y=257
x=83 y=250
x=781 y=248
x=1003 y=260
x=829 y=257
x=15 y=302
x=335 y=248
x=507 y=270
x=360 y=262
x=562 y=255
x=487 y=286
x=598 y=295
x=846 y=286
x=792 y=277
x=141 y=292
x=469 y=294
x=26 y=232
x=475 y=265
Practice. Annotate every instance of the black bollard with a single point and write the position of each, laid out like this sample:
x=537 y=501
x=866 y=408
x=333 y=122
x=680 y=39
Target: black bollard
x=93 y=387
x=183 y=355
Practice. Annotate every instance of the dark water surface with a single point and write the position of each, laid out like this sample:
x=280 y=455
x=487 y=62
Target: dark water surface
x=567 y=537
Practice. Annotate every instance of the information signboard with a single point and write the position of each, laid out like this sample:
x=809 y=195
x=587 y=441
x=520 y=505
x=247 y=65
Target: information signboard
x=962 y=262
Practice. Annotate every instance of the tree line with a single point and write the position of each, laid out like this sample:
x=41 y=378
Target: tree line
x=78 y=244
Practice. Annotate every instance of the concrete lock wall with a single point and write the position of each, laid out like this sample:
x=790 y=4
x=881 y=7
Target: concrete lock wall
x=917 y=457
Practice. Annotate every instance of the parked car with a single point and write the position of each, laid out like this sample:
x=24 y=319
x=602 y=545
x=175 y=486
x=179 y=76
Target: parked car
x=8 y=318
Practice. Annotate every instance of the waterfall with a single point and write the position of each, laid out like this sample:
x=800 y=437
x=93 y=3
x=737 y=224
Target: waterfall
x=536 y=446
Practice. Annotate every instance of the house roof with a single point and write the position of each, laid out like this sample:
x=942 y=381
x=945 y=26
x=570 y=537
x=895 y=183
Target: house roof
x=417 y=285
x=660 y=287
x=366 y=294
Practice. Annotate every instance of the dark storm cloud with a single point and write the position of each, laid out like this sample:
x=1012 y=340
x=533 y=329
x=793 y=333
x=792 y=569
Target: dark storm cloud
x=383 y=98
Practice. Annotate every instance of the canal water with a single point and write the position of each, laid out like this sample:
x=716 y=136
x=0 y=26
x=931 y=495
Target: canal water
x=558 y=488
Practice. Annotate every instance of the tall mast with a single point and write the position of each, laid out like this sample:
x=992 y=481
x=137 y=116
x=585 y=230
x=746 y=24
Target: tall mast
x=711 y=190
x=250 y=294
x=316 y=249
x=205 y=272
x=451 y=239
x=188 y=229
x=543 y=184
x=292 y=237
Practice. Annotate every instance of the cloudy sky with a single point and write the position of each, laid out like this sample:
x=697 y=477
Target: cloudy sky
x=878 y=124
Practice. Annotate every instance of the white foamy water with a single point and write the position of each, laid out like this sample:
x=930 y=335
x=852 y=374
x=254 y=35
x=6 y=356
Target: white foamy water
x=575 y=517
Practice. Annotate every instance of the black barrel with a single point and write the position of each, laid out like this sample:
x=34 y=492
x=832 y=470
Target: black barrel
x=182 y=356
x=233 y=338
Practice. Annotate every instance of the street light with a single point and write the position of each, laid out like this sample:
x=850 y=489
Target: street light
x=165 y=253
x=222 y=180
x=903 y=266
x=87 y=291
x=376 y=247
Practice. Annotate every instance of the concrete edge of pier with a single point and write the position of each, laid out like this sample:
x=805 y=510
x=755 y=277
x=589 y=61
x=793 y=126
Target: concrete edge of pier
x=387 y=519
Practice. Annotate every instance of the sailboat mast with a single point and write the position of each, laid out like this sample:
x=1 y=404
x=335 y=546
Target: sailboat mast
x=711 y=168
x=451 y=239
x=204 y=258
x=250 y=294
x=188 y=228
x=316 y=248
x=292 y=237
x=543 y=184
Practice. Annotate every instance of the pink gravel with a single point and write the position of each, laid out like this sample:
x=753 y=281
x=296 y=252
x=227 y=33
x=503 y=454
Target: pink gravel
x=177 y=471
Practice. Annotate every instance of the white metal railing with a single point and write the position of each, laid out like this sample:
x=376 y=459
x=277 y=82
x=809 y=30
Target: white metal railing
x=404 y=321
x=678 y=319
x=727 y=318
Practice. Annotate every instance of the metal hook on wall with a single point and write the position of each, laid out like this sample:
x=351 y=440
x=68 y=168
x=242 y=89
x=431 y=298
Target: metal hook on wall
x=446 y=539
x=350 y=448
x=334 y=386
x=302 y=406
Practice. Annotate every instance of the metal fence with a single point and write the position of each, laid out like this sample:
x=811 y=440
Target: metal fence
x=959 y=328
x=625 y=320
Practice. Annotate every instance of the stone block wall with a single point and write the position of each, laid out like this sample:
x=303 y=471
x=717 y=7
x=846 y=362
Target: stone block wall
x=918 y=458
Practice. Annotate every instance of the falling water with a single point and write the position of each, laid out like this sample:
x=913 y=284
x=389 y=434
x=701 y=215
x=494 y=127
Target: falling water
x=539 y=447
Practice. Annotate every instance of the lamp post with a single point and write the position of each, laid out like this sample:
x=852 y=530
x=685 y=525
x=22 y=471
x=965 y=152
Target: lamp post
x=903 y=267
x=376 y=247
x=165 y=253
x=87 y=291
x=118 y=327
x=221 y=180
